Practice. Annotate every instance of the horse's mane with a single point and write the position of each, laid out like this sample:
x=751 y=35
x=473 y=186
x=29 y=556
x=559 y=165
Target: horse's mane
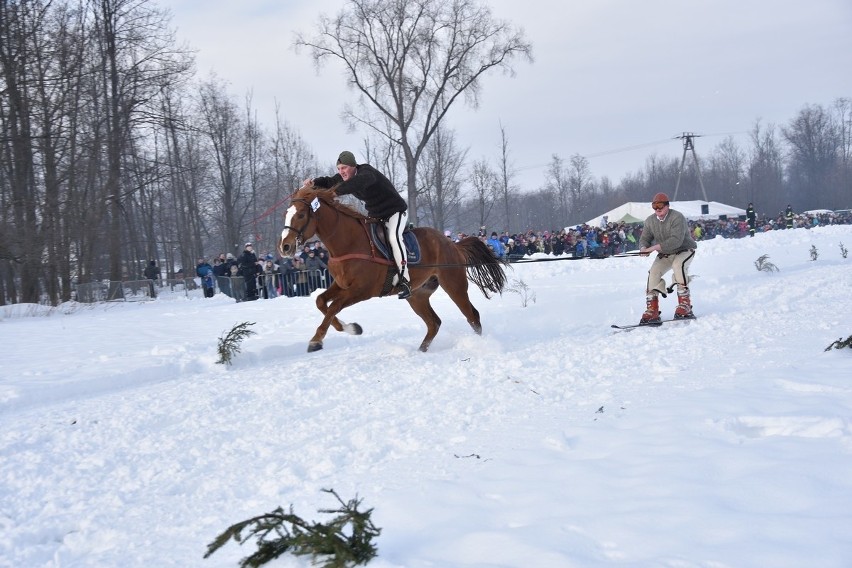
x=329 y=198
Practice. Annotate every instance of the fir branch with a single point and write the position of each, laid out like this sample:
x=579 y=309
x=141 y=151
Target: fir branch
x=229 y=345
x=840 y=344
x=764 y=265
x=522 y=289
x=278 y=533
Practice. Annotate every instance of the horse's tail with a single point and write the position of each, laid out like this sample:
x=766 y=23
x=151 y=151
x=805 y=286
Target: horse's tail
x=483 y=268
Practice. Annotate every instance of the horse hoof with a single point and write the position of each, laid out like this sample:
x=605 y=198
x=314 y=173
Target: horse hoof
x=314 y=346
x=424 y=347
x=353 y=329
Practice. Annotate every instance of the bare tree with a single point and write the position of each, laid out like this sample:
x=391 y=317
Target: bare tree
x=439 y=177
x=765 y=169
x=814 y=156
x=411 y=60
x=506 y=175
x=226 y=135
x=581 y=184
x=843 y=120
x=22 y=28
x=137 y=55
x=486 y=190
x=558 y=183
x=726 y=172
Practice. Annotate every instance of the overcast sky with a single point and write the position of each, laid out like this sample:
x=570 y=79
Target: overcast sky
x=613 y=80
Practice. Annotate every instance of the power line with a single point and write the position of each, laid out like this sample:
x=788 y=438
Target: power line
x=626 y=149
x=630 y=148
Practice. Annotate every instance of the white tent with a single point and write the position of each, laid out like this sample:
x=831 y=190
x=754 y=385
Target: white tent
x=637 y=212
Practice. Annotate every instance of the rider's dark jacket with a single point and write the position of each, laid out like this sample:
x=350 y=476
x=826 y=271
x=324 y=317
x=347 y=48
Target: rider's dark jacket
x=370 y=186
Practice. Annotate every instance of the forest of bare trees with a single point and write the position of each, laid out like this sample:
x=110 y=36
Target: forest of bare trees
x=113 y=152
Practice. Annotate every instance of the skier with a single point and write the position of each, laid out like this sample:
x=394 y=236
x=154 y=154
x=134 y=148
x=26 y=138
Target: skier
x=667 y=229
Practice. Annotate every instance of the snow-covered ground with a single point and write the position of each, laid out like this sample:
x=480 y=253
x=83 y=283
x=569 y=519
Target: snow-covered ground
x=549 y=441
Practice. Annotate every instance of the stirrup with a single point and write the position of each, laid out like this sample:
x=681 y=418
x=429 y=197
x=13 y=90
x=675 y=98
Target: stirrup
x=404 y=290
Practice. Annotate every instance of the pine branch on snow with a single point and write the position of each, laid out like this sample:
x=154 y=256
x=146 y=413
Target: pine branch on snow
x=763 y=264
x=279 y=532
x=229 y=345
x=841 y=343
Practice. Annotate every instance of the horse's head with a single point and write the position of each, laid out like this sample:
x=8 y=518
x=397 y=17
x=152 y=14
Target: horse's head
x=300 y=220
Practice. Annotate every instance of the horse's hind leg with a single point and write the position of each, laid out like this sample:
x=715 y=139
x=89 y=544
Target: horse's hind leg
x=419 y=302
x=454 y=282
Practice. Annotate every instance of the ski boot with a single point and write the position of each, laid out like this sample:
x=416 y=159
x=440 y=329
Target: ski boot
x=652 y=310
x=684 y=305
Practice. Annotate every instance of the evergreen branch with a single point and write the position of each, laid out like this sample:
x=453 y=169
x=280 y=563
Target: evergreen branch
x=326 y=542
x=764 y=265
x=840 y=344
x=229 y=345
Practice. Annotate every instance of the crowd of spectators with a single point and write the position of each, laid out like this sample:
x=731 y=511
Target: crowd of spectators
x=617 y=238
x=251 y=277
x=265 y=276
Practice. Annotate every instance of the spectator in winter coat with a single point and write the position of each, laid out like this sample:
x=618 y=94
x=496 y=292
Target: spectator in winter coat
x=516 y=250
x=300 y=277
x=496 y=245
x=288 y=277
x=270 y=278
x=205 y=272
x=152 y=273
x=317 y=269
x=249 y=269
x=751 y=217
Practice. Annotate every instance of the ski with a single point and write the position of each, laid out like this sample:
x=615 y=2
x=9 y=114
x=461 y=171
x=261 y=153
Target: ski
x=635 y=325
x=655 y=324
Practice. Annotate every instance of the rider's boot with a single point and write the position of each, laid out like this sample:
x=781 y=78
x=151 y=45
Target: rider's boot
x=404 y=288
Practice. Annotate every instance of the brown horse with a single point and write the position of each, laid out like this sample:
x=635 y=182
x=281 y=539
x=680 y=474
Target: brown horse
x=360 y=272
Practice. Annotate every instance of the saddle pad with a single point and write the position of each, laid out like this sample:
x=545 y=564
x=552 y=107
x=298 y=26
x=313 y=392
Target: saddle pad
x=412 y=246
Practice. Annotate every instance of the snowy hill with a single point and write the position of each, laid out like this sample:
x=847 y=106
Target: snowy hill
x=550 y=441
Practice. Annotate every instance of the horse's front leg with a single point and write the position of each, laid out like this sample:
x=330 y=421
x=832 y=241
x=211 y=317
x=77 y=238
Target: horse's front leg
x=324 y=299
x=330 y=303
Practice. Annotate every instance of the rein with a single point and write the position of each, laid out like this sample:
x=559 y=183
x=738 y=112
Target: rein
x=363 y=222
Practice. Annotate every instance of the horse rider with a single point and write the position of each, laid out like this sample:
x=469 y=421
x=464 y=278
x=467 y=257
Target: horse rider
x=381 y=200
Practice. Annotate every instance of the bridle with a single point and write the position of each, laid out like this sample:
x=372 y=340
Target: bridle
x=300 y=232
x=300 y=238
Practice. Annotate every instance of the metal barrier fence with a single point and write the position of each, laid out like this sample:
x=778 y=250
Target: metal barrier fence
x=135 y=290
x=291 y=284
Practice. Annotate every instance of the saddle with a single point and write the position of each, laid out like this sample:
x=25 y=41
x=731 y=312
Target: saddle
x=412 y=246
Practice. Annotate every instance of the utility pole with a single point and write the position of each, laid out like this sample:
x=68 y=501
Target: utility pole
x=688 y=145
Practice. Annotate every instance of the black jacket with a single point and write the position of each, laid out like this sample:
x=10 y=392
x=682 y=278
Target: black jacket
x=370 y=186
x=248 y=264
